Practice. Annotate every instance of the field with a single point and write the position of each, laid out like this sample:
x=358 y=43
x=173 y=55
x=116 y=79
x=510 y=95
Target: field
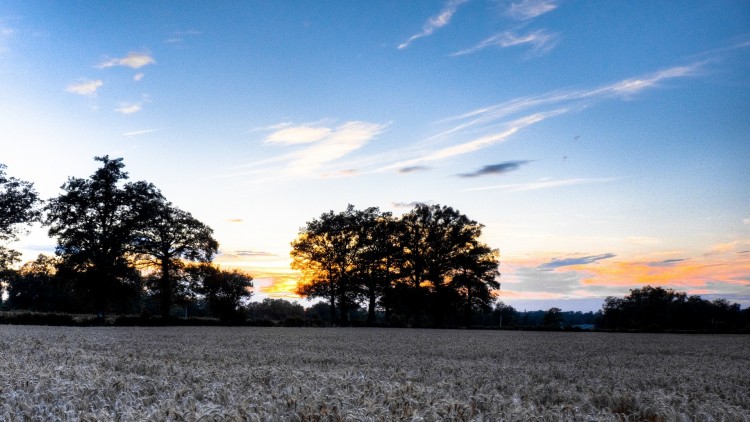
x=188 y=373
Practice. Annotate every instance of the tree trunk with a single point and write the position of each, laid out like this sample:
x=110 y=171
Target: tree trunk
x=468 y=306
x=333 y=309
x=371 y=307
x=166 y=289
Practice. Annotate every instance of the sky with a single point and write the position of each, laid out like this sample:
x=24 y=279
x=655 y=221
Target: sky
x=604 y=145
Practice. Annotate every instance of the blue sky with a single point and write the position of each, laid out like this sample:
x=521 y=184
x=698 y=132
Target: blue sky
x=604 y=145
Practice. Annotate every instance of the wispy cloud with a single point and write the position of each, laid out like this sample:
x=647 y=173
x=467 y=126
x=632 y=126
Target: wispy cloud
x=620 y=89
x=527 y=9
x=494 y=169
x=546 y=184
x=87 y=87
x=298 y=135
x=488 y=126
x=5 y=34
x=246 y=254
x=132 y=60
x=723 y=274
x=129 y=108
x=568 y=262
x=413 y=169
x=666 y=262
x=435 y=22
x=138 y=76
x=479 y=143
x=317 y=145
x=540 y=42
x=409 y=204
x=178 y=37
x=140 y=132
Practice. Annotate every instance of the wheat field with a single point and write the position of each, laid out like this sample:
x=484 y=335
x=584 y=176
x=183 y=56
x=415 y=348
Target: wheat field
x=359 y=374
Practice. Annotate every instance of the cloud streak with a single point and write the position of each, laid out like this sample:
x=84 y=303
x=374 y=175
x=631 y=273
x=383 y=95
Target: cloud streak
x=540 y=42
x=435 y=22
x=528 y=9
x=546 y=184
x=132 y=60
x=140 y=132
x=488 y=126
x=314 y=146
x=129 y=108
x=568 y=262
x=479 y=143
x=495 y=169
x=87 y=88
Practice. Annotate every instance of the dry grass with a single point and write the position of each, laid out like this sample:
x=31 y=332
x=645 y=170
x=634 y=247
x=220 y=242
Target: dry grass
x=55 y=373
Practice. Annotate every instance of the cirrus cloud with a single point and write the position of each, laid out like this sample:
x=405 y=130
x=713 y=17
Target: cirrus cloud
x=435 y=22
x=132 y=60
x=87 y=87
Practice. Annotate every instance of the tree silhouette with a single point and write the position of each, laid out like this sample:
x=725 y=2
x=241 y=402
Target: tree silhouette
x=224 y=291
x=430 y=256
x=376 y=237
x=475 y=279
x=171 y=236
x=656 y=309
x=553 y=318
x=95 y=222
x=17 y=208
x=439 y=244
x=325 y=251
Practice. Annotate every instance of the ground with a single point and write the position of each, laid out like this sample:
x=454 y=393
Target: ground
x=362 y=374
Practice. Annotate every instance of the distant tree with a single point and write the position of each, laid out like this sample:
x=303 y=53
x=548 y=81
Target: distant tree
x=168 y=239
x=224 y=291
x=553 y=318
x=655 y=309
x=18 y=201
x=505 y=315
x=275 y=310
x=95 y=222
x=34 y=286
x=320 y=311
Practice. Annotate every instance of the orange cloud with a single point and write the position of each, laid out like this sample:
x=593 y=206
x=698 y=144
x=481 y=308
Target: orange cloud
x=690 y=273
x=518 y=295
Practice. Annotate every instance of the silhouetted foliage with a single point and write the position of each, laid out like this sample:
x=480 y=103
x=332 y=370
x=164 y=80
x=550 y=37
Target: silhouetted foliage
x=553 y=318
x=224 y=291
x=325 y=251
x=274 y=310
x=169 y=238
x=428 y=267
x=95 y=222
x=657 y=309
x=18 y=201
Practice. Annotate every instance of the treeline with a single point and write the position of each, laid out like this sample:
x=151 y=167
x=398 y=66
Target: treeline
x=425 y=268
x=659 y=309
x=121 y=248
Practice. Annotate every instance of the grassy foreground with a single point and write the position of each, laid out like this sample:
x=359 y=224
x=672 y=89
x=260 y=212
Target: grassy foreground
x=242 y=373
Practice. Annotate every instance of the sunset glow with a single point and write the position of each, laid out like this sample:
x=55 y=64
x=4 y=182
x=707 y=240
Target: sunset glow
x=603 y=145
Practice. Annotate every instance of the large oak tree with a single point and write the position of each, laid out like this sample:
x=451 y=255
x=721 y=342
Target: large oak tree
x=95 y=221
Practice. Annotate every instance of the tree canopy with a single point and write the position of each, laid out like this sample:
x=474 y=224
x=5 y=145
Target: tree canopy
x=656 y=309
x=423 y=266
x=18 y=201
x=171 y=237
